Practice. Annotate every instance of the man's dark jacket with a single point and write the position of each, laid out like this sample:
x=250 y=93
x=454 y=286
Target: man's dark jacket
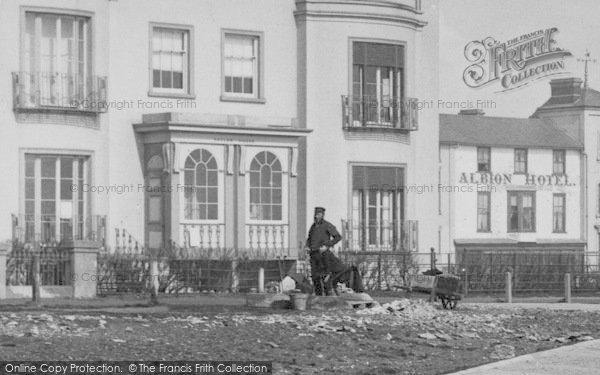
x=322 y=234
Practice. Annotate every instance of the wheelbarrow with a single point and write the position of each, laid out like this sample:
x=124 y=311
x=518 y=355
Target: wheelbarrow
x=446 y=287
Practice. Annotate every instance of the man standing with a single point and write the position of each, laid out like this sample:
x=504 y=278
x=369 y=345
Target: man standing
x=321 y=236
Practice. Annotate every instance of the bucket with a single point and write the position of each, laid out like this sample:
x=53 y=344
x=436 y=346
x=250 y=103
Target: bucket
x=299 y=301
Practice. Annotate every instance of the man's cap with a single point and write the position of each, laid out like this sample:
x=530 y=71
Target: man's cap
x=319 y=209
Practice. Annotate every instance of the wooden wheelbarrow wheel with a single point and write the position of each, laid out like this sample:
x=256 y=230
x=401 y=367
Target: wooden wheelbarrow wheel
x=449 y=303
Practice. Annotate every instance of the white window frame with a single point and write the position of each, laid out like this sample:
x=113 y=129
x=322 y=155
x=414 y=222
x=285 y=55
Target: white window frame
x=88 y=208
x=257 y=96
x=218 y=153
x=282 y=155
x=25 y=58
x=188 y=63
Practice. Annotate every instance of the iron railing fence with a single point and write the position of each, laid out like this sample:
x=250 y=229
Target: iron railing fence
x=379 y=112
x=182 y=270
x=381 y=235
x=533 y=272
x=59 y=91
x=51 y=231
x=55 y=265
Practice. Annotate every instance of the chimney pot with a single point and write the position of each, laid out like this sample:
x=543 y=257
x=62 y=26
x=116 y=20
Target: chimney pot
x=566 y=87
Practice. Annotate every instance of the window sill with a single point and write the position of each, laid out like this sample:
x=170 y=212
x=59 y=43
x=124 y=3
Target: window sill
x=172 y=95
x=236 y=99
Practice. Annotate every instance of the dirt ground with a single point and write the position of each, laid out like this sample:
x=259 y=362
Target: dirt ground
x=406 y=337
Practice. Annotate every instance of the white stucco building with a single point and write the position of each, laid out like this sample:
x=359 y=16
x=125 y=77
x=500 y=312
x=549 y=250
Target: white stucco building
x=510 y=183
x=218 y=123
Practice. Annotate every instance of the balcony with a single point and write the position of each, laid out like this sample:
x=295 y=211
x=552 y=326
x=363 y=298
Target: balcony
x=58 y=92
x=372 y=113
x=50 y=230
x=380 y=236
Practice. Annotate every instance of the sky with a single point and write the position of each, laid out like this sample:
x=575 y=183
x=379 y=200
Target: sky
x=463 y=21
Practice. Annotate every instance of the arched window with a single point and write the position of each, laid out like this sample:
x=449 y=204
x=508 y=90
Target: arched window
x=201 y=190
x=265 y=187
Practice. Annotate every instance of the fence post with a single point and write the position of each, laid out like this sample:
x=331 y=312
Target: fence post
x=5 y=248
x=154 y=278
x=261 y=280
x=466 y=284
x=235 y=276
x=567 y=287
x=432 y=259
x=379 y=270
x=37 y=277
x=508 y=287
x=84 y=263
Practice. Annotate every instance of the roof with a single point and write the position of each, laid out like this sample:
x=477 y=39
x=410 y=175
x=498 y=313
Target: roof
x=588 y=98
x=503 y=132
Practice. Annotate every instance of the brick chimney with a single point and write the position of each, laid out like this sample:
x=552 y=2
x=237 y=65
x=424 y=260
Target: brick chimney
x=472 y=112
x=567 y=89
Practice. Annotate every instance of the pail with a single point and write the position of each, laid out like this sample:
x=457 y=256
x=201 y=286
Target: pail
x=299 y=301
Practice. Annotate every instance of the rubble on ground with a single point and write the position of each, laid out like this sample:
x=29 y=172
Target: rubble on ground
x=423 y=321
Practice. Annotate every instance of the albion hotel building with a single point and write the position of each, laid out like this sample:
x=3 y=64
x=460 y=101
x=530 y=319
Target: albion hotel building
x=524 y=183
x=222 y=123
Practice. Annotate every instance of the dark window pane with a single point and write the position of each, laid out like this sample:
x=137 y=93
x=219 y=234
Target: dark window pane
x=266 y=212
x=201 y=195
x=29 y=208
x=213 y=178
x=254 y=179
x=276 y=178
x=66 y=167
x=228 y=83
x=270 y=157
x=276 y=165
x=29 y=188
x=213 y=212
x=248 y=85
x=66 y=189
x=48 y=167
x=195 y=155
x=48 y=209
x=202 y=212
x=237 y=84
x=177 y=80
x=166 y=79
x=189 y=163
x=212 y=195
x=206 y=156
x=254 y=195
x=265 y=195
x=265 y=176
x=188 y=177
x=201 y=175
x=80 y=168
x=277 y=212
x=29 y=166
x=156 y=78
x=212 y=164
x=277 y=196
x=255 y=166
x=48 y=189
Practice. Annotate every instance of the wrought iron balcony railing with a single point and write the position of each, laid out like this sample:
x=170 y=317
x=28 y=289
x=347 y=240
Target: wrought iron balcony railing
x=379 y=112
x=47 y=91
x=380 y=235
x=48 y=230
